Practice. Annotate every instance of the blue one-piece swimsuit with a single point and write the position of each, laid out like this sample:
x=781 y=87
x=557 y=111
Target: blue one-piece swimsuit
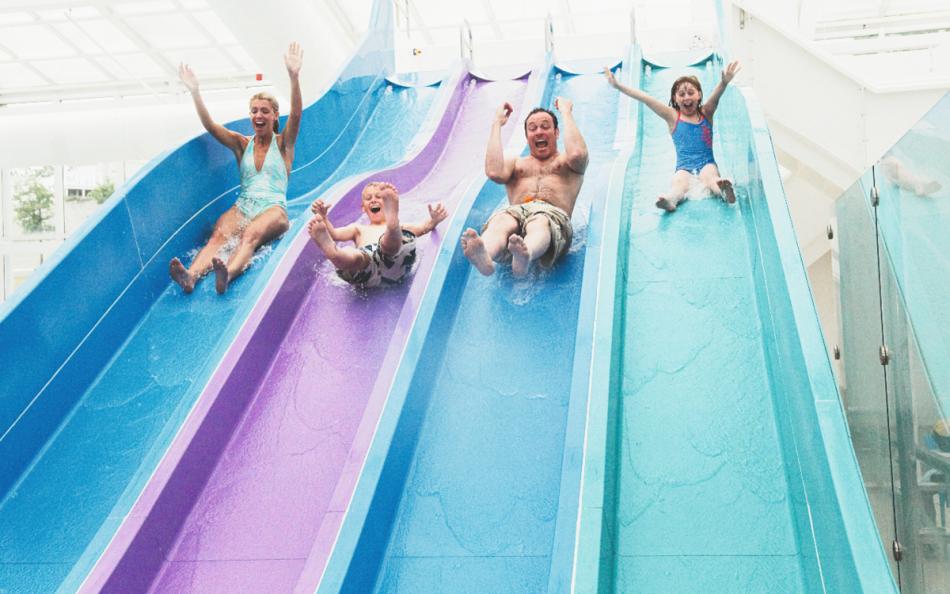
x=265 y=188
x=693 y=144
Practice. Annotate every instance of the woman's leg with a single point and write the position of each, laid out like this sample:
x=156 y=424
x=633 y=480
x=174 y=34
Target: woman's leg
x=227 y=226
x=265 y=227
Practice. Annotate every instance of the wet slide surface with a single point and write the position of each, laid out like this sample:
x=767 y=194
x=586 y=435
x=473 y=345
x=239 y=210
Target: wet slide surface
x=266 y=496
x=700 y=498
x=475 y=507
x=80 y=482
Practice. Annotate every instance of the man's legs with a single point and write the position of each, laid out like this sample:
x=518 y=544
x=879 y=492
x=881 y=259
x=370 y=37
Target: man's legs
x=534 y=244
x=265 y=227
x=482 y=251
x=227 y=226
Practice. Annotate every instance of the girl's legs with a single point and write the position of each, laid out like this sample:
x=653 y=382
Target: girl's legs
x=719 y=186
x=678 y=188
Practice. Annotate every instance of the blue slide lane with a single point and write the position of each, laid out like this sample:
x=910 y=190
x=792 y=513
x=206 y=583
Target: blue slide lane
x=469 y=462
x=119 y=358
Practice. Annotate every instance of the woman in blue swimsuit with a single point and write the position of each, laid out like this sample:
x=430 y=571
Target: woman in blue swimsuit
x=265 y=160
x=690 y=122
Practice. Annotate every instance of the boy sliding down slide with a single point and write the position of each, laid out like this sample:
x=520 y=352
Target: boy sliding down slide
x=385 y=250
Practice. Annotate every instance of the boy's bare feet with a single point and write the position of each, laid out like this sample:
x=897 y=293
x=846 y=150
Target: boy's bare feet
x=221 y=276
x=181 y=275
x=520 y=259
x=320 y=235
x=474 y=250
x=390 y=206
x=666 y=204
x=728 y=192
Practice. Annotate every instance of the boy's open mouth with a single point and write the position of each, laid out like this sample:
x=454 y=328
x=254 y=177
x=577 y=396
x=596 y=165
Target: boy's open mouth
x=375 y=209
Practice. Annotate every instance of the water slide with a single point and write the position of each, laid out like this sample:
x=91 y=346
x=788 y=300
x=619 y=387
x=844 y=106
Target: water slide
x=118 y=356
x=717 y=458
x=712 y=443
x=250 y=495
x=471 y=482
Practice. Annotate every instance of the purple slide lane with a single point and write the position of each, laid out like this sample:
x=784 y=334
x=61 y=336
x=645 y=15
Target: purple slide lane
x=251 y=494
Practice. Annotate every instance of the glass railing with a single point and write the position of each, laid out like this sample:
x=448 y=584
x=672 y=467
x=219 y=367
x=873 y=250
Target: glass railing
x=893 y=241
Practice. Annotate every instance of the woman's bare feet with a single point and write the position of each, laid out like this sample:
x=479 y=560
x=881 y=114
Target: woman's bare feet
x=727 y=191
x=221 y=275
x=474 y=250
x=181 y=275
x=520 y=258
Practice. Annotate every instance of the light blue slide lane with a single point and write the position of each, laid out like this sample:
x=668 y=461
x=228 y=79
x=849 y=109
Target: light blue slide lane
x=728 y=466
x=58 y=513
x=470 y=492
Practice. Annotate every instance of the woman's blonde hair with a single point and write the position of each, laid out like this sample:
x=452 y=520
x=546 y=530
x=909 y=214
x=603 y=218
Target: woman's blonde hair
x=273 y=103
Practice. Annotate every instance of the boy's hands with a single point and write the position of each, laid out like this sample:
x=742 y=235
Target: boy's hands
x=729 y=72
x=319 y=207
x=437 y=213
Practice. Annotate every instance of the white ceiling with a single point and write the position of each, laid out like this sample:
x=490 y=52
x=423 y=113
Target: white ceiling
x=54 y=50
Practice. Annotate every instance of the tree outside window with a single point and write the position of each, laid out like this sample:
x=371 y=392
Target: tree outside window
x=33 y=199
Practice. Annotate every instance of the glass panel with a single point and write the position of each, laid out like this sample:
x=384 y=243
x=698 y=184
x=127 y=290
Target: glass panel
x=913 y=215
x=863 y=385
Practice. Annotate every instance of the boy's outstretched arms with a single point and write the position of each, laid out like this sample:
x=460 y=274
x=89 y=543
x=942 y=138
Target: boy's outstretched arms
x=711 y=102
x=347 y=233
x=437 y=214
x=664 y=111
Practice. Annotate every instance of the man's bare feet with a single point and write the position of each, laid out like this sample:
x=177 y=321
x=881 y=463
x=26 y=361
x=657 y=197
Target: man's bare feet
x=221 y=276
x=474 y=250
x=666 y=204
x=728 y=192
x=520 y=258
x=181 y=275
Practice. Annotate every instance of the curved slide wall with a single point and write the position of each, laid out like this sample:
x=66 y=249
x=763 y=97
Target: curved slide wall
x=470 y=485
x=250 y=495
x=717 y=454
x=114 y=371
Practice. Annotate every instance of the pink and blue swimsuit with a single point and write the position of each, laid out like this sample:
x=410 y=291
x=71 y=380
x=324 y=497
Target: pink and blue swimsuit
x=693 y=144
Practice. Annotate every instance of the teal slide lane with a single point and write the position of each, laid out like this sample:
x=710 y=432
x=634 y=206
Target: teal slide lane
x=717 y=457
